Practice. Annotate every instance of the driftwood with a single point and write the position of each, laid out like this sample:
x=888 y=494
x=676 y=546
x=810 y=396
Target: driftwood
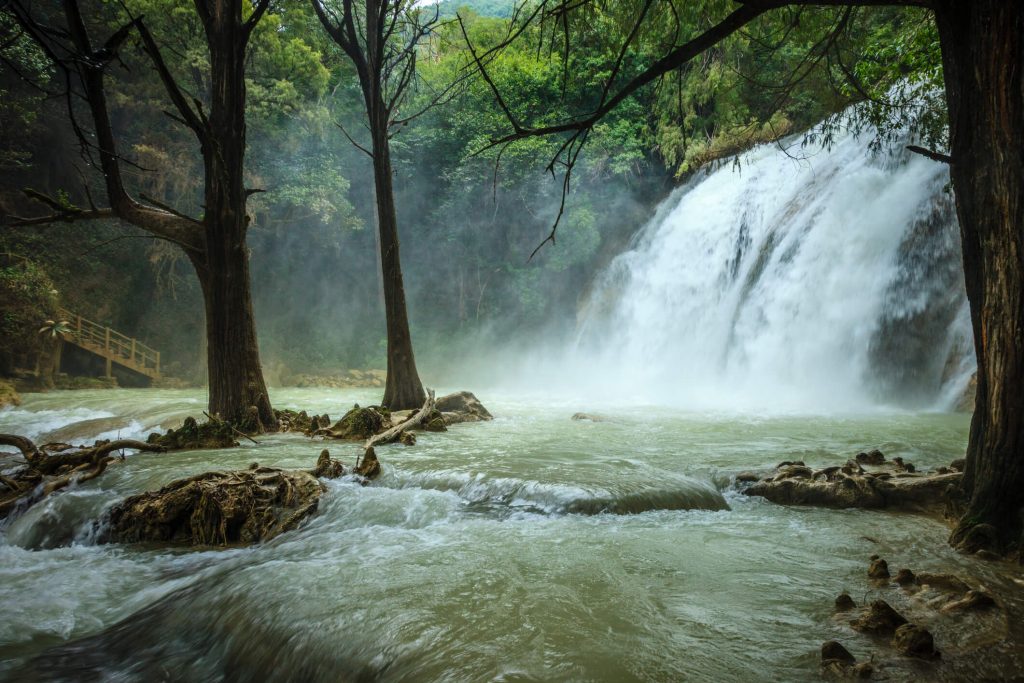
x=53 y=467
x=367 y=465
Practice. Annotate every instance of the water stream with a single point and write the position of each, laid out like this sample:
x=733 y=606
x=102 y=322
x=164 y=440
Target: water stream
x=477 y=556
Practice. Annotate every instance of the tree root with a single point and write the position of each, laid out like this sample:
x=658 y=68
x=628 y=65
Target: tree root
x=53 y=467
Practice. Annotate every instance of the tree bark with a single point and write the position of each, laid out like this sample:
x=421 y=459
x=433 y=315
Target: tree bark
x=233 y=361
x=983 y=58
x=403 y=389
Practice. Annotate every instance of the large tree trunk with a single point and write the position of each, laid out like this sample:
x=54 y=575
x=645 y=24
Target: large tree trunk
x=403 y=390
x=233 y=360
x=983 y=50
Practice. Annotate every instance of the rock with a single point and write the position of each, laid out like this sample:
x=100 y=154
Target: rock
x=465 y=407
x=369 y=466
x=435 y=423
x=948 y=582
x=796 y=488
x=195 y=436
x=844 y=602
x=974 y=600
x=864 y=670
x=903 y=466
x=8 y=395
x=905 y=577
x=791 y=471
x=217 y=508
x=875 y=457
x=958 y=465
x=360 y=424
x=879 y=569
x=587 y=417
x=879 y=618
x=914 y=641
x=407 y=439
x=834 y=650
x=328 y=468
x=790 y=463
x=965 y=403
x=746 y=477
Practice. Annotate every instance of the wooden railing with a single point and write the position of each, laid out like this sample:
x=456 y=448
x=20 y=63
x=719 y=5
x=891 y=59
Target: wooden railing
x=113 y=346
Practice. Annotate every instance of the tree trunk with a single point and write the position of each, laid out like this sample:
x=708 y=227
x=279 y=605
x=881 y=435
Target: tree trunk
x=982 y=51
x=403 y=390
x=232 y=353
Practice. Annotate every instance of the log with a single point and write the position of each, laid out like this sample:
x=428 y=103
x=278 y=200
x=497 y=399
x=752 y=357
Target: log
x=417 y=418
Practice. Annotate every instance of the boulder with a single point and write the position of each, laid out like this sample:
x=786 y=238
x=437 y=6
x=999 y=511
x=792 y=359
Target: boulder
x=879 y=569
x=844 y=603
x=834 y=650
x=914 y=641
x=217 y=508
x=875 y=457
x=879 y=618
x=462 y=406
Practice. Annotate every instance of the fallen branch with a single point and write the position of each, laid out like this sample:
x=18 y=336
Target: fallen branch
x=48 y=472
x=416 y=419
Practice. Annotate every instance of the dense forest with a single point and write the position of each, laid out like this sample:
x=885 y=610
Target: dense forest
x=469 y=230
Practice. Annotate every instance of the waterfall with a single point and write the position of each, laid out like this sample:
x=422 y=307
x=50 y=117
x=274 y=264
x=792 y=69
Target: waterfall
x=824 y=279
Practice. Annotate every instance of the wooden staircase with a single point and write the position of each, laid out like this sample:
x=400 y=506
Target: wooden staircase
x=111 y=345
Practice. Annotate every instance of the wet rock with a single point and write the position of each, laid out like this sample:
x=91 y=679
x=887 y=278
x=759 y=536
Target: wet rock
x=407 y=439
x=435 y=423
x=193 y=435
x=947 y=582
x=745 y=477
x=875 y=457
x=879 y=569
x=879 y=618
x=973 y=600
x=217 y=508
x=914 y=641
x=901 y=465
x=360 y=424
x=795 y=487
x=462 y=406
x=844 y=602
x=368 y=466
x=834 y=650
x=790 y=463
x=587 y=417
x=863 y=671
x=905 y=577
x=791 y=471
x=328 y=468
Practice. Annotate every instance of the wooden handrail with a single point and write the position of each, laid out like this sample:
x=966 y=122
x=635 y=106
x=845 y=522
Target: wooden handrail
x=111 y=344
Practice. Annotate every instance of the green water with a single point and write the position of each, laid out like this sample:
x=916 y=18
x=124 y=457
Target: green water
x=468 y=560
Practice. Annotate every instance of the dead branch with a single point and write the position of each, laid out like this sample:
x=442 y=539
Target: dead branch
x=56 y=466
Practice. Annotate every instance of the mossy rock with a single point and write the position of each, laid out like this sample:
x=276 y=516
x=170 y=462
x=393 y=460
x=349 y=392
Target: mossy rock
x=217 y=508
x=360 y=424
x=195 y=436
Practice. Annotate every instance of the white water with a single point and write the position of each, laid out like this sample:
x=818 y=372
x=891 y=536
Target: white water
x=831 y=282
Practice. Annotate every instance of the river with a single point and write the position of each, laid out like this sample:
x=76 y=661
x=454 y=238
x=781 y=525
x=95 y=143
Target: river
x=533 y=547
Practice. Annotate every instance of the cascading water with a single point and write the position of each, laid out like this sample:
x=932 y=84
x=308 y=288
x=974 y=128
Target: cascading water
x=831 y=281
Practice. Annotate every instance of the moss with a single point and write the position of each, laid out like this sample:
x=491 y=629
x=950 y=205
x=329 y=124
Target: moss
x=195 y=436
x=359 y=424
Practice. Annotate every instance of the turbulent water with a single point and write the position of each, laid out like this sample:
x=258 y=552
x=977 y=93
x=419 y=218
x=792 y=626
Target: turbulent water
x=824 y=281
x=787 y=309
x=533 y=547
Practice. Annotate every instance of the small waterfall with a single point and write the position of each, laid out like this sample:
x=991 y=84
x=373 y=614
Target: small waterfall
x=828 y=281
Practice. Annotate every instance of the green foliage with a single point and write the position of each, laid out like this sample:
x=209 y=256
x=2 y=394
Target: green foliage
x=28 y=300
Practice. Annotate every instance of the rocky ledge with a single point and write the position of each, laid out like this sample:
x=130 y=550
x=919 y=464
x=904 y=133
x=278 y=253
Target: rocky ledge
x=868 y=480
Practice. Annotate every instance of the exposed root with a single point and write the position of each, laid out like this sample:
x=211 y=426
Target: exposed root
x=195 y=436
x=53 y=467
